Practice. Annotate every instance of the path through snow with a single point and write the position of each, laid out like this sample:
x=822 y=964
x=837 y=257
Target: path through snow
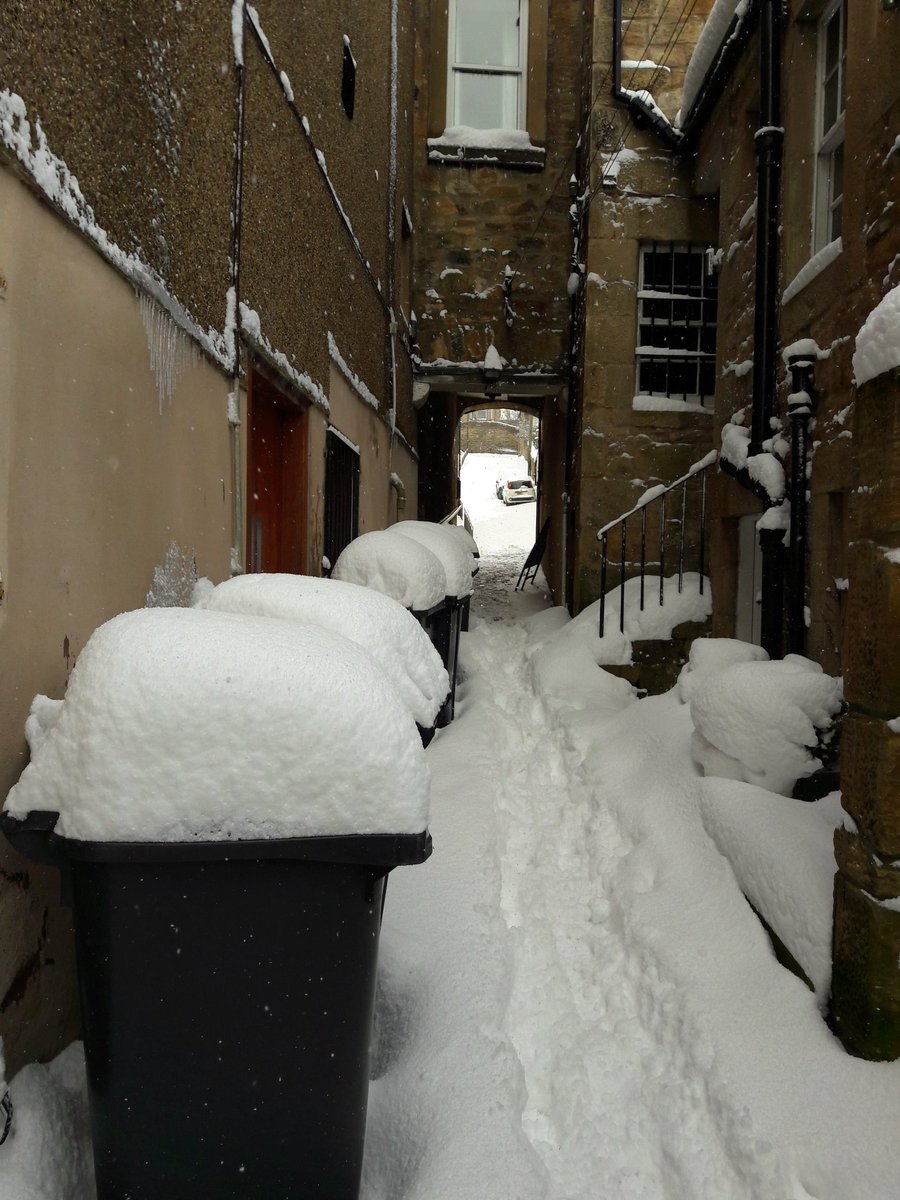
x=533 y=1060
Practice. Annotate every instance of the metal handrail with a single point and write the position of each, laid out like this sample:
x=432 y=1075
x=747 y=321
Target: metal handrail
x=460 y=510
x=655 y=495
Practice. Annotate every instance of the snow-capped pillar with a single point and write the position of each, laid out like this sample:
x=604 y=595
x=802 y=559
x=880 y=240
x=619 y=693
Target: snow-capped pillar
x=866 y=974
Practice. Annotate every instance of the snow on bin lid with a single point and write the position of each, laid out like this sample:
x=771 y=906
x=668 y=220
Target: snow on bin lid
x=384 y=628
x=457 y=561
x=184 y=725
x=395 y=565
x=464 y=536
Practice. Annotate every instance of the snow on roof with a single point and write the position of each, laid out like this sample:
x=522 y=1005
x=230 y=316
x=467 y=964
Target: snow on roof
x=707 y=50
x=395 y=565
x=182 y=724
x=878 y=342
x=455 y=557
x=378 y=624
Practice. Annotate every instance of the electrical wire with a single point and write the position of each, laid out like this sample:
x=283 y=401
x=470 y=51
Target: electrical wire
x=630 y=126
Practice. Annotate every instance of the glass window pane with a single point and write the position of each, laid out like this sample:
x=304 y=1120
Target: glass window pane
x=833 y=42
x=487 y=32
x=836 y=223
x=837 y=173
x=658 y=270
x=486 y=101
x=657 y=310
x=829 y=102
x=686 y=310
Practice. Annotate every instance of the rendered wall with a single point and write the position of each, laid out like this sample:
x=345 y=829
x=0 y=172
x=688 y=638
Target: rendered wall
x=100 y=471
x=141 y=102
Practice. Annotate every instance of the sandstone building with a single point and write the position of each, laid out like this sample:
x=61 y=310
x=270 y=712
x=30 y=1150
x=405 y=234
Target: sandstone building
x=255 y=265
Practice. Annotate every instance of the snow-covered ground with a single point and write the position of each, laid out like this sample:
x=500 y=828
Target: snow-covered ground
x=575 y=1000
x=504 y=533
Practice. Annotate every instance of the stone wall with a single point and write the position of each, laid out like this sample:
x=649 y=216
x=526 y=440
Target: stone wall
x=829 y=308
x=866 y=981
x=639 y=191
x=476 y=219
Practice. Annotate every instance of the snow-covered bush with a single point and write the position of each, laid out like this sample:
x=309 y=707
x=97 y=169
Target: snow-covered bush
x=763 y=722
x=384 y=628
x=182 y=724
x=709 y=655
x=394 y=565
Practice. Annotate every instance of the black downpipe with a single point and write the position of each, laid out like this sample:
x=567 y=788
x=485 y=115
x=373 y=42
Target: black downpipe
x=800 y=414
x=769 y=154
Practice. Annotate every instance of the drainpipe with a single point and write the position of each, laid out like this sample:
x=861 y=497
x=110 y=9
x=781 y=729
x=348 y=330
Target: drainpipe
x=769 y=152
x=233 y=314
x=564 y=573
x=800 y=411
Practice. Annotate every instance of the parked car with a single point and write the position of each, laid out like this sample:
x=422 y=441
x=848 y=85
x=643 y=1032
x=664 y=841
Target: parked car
x=513 y=491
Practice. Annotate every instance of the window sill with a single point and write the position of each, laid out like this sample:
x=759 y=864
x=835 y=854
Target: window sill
x=816 y=265
x=671 y=404
x=486 y=148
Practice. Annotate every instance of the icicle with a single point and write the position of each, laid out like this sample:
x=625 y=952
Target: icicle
x=171 y=351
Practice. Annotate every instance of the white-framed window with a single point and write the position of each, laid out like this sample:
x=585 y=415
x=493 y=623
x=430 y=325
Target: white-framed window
x=678 y=295
x=488 y=46
x=831 y=101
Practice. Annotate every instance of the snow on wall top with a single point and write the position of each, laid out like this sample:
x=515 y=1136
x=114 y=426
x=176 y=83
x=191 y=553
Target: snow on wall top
x=707 y=49
x=394 y=565
x=378 y=624
x=878 y=342
x=183 y=725
x=455 y=557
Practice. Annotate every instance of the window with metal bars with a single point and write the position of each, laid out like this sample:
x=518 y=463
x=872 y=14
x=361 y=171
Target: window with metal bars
x=676 y=335
x=341 y=495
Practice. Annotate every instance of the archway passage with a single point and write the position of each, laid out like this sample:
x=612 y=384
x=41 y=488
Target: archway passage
x=500 y=478
x=468 y=441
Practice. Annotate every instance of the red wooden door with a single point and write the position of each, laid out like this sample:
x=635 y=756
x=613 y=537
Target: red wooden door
x=277 y=473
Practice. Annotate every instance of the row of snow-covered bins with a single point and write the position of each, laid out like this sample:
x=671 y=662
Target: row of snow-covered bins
x=225 y=788
x=428 y=568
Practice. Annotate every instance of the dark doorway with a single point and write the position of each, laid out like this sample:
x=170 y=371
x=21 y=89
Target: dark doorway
x=277 y=474
x=341 y=495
